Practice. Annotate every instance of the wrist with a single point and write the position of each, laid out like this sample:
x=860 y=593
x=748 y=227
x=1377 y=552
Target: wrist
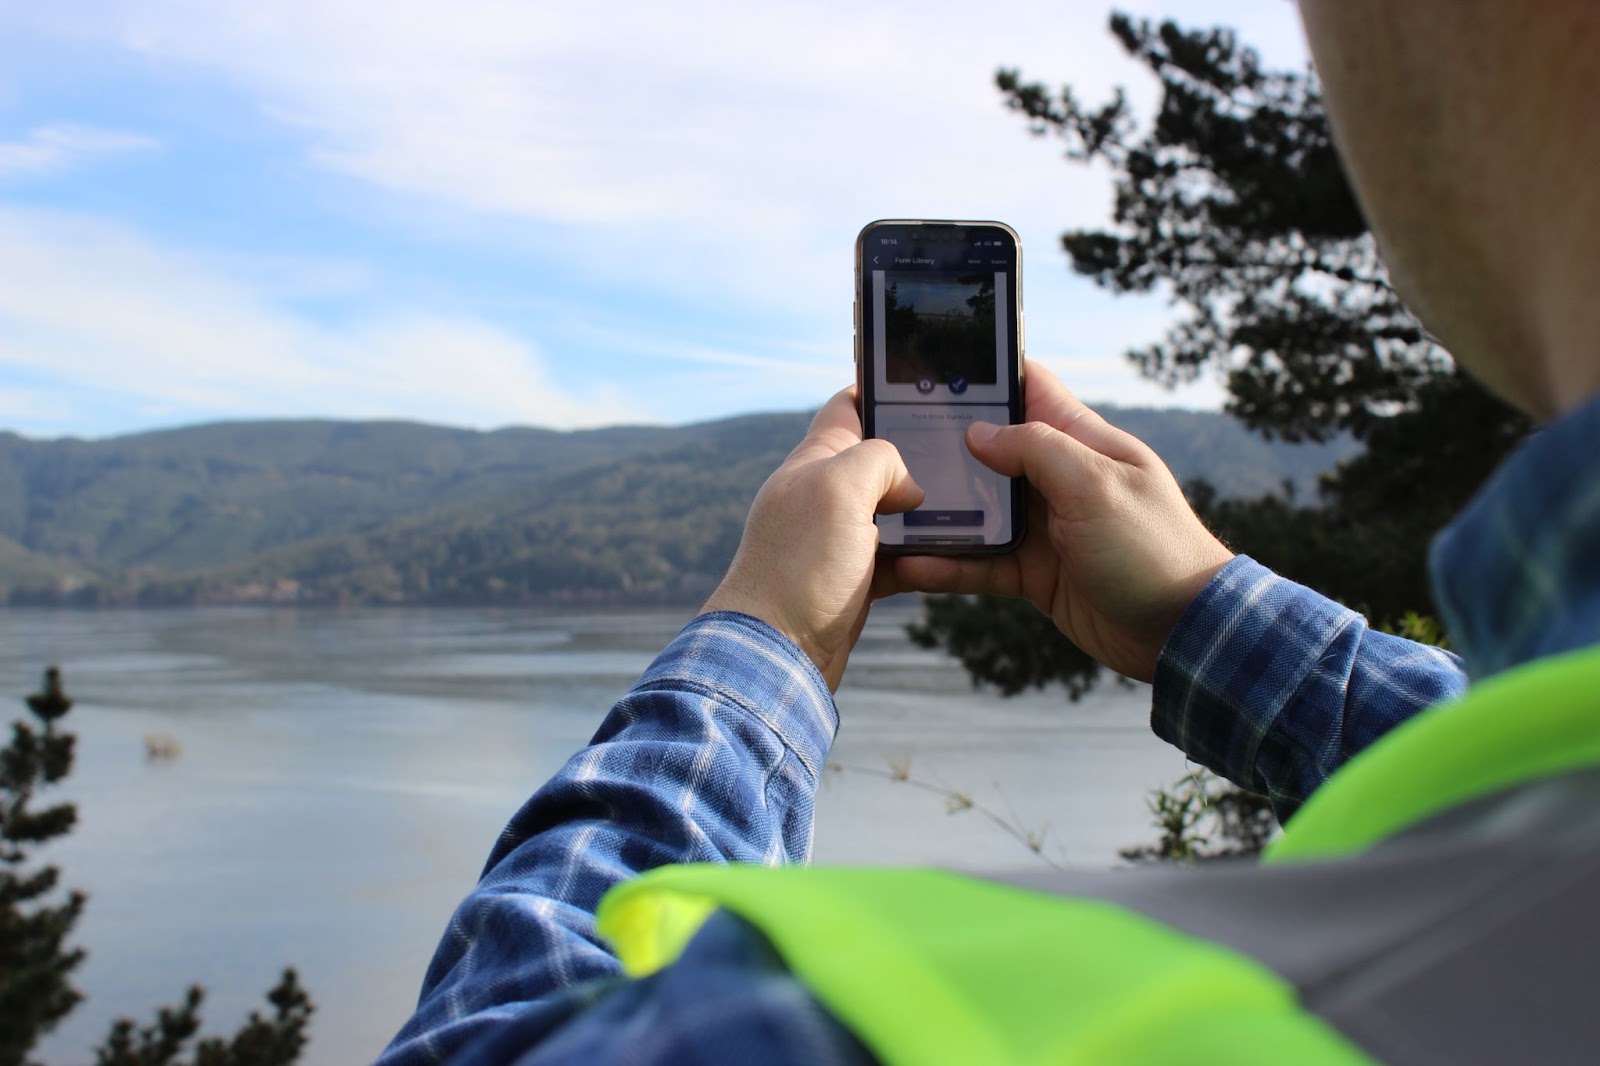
x=732 y=598
x=746 y=662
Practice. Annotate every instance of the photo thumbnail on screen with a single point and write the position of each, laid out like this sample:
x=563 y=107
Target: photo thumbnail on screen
x=940 y=325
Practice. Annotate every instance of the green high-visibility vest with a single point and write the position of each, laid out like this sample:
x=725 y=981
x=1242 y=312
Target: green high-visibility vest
x=928 y=967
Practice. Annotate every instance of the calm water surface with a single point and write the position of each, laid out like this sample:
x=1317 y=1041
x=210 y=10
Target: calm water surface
x=344 y=774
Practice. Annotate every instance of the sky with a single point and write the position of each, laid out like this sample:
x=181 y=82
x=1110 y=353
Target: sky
x=486 y=213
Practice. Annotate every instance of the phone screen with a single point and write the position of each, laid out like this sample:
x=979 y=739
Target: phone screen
x=938 y=348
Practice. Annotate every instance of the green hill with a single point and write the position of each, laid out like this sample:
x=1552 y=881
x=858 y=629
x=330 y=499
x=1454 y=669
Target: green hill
x=320 y=511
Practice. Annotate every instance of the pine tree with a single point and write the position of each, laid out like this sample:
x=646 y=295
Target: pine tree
x=1233 y=201
x=36 y=962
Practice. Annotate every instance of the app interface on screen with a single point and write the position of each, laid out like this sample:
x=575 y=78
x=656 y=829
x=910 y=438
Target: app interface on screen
x=941 y=339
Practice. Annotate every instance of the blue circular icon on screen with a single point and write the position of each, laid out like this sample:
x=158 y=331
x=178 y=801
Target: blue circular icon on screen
x=958 y=384
x=924 y=384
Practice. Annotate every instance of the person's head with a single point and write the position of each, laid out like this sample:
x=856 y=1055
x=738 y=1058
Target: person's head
x=1471 y=131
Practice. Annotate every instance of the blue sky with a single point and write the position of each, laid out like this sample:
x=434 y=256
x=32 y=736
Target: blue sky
x=499 y=212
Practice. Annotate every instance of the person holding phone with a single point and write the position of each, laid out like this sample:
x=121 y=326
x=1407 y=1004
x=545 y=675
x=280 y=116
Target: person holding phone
x=1431 y=901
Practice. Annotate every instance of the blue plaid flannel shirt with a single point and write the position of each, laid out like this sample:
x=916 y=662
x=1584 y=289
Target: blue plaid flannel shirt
x=715 y=755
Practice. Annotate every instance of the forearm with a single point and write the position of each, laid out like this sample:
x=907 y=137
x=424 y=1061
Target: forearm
x=1275 y=687
x=714 y=756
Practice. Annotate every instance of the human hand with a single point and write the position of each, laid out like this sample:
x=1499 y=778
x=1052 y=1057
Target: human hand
x=806 y=562
x=1113 y=552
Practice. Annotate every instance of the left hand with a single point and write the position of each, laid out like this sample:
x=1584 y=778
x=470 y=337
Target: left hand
x=806 y=562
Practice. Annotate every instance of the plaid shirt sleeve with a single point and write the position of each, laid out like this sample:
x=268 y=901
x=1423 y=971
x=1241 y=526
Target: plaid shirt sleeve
x=714 y=756
x=1274 y=686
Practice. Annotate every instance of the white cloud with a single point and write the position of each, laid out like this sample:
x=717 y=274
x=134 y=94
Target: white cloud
x=92 y=307
x=28 y=406
x=777 y=358
x=62 y=146
x=636 y=111
x=710 y=143
x=706 y=162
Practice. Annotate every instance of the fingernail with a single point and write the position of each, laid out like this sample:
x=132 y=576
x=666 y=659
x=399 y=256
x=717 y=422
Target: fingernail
x=982 y=432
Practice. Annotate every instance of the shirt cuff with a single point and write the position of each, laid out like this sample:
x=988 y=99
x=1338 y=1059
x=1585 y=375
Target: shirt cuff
x=740 y=660
x=1233 y=662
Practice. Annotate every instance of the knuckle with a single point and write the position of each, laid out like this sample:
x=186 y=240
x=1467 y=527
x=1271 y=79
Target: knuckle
x=881 y=451
x=1036 y=434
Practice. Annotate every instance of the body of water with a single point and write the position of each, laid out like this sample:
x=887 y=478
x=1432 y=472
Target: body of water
x=344 y=773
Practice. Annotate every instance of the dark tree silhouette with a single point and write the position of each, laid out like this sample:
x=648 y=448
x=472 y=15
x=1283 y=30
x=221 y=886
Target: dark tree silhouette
x=1233 y=201
x=35 y=961
x=1002 y=643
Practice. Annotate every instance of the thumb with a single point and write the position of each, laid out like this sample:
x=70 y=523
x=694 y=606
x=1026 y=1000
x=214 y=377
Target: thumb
x=1048 y=458
x=876 y=467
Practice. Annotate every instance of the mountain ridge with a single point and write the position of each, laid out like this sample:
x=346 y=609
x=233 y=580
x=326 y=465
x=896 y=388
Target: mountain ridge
x=331 y=511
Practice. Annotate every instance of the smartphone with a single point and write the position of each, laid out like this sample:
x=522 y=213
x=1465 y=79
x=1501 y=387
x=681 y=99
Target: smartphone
x=939 y=336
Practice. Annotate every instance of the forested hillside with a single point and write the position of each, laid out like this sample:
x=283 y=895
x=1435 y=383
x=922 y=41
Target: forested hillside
x=328 y=512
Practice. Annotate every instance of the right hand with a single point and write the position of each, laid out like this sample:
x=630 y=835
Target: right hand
x=1113 y=552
